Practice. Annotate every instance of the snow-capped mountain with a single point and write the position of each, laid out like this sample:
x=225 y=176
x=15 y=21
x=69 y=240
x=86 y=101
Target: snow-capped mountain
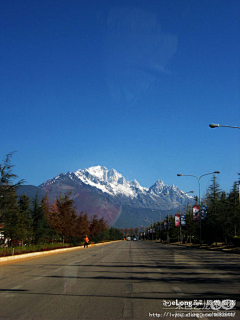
x=109 y=181
x=112 y=183
x=108 y=194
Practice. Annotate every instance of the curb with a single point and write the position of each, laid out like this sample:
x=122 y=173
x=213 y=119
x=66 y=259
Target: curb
x=37 y=254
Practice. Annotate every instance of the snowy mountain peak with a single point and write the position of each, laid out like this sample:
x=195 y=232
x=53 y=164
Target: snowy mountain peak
x=99 y=172
x=160 y=183
x=103 y=174
x=158 y=187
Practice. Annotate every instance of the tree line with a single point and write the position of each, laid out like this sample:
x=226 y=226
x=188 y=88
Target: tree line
x=27 y=221
x=220 y=224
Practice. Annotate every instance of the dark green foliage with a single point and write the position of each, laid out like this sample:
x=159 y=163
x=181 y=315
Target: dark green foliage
x=24 y=220
x=10 y=218
x=40 y=226
x=65 y=219
x=213 y=223
x=115 y=234
x=82 y=225
x=9 y=211
x=7 y=177
x=98 y=229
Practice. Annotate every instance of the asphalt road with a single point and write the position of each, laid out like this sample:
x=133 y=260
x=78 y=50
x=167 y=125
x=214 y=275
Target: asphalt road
x=122 y=280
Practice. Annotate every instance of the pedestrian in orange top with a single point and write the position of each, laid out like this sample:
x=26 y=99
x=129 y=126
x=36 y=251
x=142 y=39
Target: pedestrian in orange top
x=86 y=241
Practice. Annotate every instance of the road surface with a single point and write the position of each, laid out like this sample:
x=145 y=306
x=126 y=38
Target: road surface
x=122 y=280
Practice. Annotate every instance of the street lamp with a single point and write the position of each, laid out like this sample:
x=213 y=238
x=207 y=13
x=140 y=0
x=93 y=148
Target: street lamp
x=216 y=125
x=180 y=229
x=168 y=238
x=157 y=204
x=190 y=175
x=152 y=223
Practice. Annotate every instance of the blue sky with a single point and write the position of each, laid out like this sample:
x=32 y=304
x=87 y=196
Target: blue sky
x=130 y=85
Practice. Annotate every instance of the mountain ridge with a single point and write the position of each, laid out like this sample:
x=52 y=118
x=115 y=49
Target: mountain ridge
x=111 y=196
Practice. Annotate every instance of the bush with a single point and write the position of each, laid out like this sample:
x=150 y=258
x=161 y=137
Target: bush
x=33 y=248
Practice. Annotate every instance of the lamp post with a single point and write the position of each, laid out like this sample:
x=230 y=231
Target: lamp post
x=168 y=238
x=180 y=230
x=157 y=204
x=146 y=219
x=216 y=125
x=190 y=175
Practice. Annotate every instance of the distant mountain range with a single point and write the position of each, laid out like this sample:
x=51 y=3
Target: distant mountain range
x=107 y=193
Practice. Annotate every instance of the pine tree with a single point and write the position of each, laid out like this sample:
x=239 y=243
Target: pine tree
x=213 y=220
x=7 y=193
x=24 y=220
x=41 y=227
x=66 y=220
x=50 y=216
x=234 y=211
x=10 y=218
x=94 y=226
x=6 y=179
x=82 y=225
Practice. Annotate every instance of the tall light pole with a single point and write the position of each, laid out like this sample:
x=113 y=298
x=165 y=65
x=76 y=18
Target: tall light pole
x=157 y=204
x=190 y=175
x=216 y=125
x=168 y=238
x=180 y=230
x=152 y=223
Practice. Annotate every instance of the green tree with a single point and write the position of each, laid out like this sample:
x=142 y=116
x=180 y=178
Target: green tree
x=66 y=218
x=98 y=229
x=115 y=234
x=7 y=188
x=10 y=218
x=7 y=177
x=24 y=220
x=51 y=217
x=234 y=211
x=41 y=228
x=213 y=223
x=82 y=225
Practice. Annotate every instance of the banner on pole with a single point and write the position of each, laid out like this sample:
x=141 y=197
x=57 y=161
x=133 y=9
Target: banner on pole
x=177 y=220
x=165 y=225
x=169 y=225
x=183 y=219
x=196 y=214
x=204 y=211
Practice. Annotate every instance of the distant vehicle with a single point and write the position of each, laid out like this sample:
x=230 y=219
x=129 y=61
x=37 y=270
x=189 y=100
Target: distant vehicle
x=128 y=239
x=135 y=239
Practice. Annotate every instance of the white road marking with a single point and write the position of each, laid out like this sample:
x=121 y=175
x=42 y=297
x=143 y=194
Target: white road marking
x=178 y=290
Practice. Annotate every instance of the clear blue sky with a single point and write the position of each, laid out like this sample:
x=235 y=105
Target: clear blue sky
x=130 y=85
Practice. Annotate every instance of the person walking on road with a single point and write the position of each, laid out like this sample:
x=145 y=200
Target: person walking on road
x=86 y=241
